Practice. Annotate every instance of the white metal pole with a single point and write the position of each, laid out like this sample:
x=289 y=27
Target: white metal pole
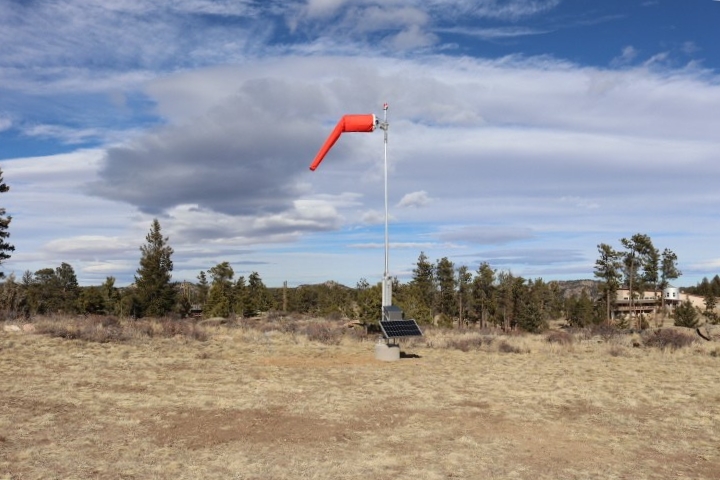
x=387 y=285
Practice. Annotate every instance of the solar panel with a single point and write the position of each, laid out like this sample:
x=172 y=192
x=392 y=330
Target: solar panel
x=400 y=328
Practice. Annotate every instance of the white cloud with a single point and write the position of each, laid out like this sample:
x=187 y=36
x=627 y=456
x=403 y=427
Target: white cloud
x=414 y=199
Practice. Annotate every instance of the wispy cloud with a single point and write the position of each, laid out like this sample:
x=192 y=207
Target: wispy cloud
x=495 y=32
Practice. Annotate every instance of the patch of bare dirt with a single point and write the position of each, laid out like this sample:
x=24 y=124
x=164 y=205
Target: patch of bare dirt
x=197 y=428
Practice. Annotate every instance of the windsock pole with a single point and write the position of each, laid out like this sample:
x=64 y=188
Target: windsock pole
x=387 y=283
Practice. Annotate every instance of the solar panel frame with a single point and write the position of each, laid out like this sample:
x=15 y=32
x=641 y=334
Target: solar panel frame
x=400 y=328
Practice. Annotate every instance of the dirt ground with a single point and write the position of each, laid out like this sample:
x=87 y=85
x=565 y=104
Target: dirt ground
x=248 y=404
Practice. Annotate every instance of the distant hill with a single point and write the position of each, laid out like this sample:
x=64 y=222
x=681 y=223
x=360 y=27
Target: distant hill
x=573 y=288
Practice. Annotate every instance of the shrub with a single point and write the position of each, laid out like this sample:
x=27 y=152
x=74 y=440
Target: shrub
x=667 y=338
x=604 y=331
x=334 y=316
x=112 y=330
x=616 y=350
x=466 y=344
x=325 y=333
x=686 y=315
x=56 y=329
x=183 y=328
x=505 y=347
x=560 y=337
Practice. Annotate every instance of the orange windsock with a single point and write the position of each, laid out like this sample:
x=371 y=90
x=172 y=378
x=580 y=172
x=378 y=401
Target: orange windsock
x=348 y=123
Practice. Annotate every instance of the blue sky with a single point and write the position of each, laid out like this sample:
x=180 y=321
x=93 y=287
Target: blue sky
x=522 y=133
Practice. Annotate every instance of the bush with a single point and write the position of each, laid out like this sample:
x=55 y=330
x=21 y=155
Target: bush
x=606 y=332
x=182 y=328
x=671 y=339
x=505 y=347
x=686 y=315
x=325 y=333
x=466 y=344
x=616 y=351
x=560 y=337
x=112 y=330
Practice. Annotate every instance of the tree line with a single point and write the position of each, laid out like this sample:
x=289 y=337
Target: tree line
x=153 y=294
x=439 y=292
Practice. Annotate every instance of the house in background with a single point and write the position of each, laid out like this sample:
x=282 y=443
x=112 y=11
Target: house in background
x=647 y=303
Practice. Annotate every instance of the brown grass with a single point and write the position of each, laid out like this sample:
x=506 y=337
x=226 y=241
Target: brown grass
x=274 y=403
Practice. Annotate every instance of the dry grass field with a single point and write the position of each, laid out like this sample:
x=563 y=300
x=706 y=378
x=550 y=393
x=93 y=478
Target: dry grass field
x=264 y=403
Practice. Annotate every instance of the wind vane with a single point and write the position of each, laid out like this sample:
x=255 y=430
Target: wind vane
x=392 y=323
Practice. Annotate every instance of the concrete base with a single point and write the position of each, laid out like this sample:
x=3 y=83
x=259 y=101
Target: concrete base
x=387 y=353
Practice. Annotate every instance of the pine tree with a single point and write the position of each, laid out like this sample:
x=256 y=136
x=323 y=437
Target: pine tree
x=686 y=315
x=68 y=288
x=219 y=301
x=257 y=297
x=580 y=313
x=608 y=270
x=5 y=220
x=239 y=292
x=483 y=294
x=368 y=300
x=668 y=268
x=111 y=296
x=445 y=274
x=464 y=279
x=203 y=287
x=155 y=292
x=420 y=302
